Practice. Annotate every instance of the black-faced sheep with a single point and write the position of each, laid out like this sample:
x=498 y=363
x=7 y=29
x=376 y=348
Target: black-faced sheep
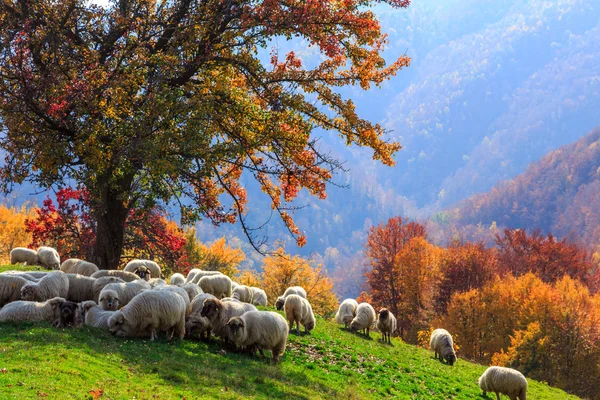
x=177 y=279
x=150 y=311
x=346 y=312
x=364 y=319
x=262 y=330
x=23 y=255
x=218 y=313
x=243 y=293
x=386 y=323
x=217 y=285
x=124 y=275
x=507 y=381
x=77 y=266
x=31 y=311
x=195 y=322
x=259 y=297
x=442 y=345
x=10 y=288
x=116 y=295
x=151 y=265
x=298 y=310
x=291 y=290
x=48 y=257
x=54 y=284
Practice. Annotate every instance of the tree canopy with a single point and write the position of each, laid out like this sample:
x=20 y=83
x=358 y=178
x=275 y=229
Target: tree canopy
x=144 y=101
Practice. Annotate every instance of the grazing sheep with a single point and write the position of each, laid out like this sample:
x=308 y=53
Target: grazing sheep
x=82 y=288
x=386 y=325
x=443 y=346
x=95 y=316
x=259 y=297
x=192 y=290
x=507 y=381
x=243 y=293
x=68 y=313
x=218 y=313
x=177 y=280
x=298 y=310
x=346 y=312
x=10 y=288
x=77 y=266
x=150 y=311
x=31 y=311
x=151 y=265
x=364 y=319
x=291 y=290
x=23 y=255
x=201 y=274
x=196 y=323
x=48 y=257
x=190 y=276
x=217 y=285
x=116 y=295
x=124 y=275
x=264 y=330
x=54 y=284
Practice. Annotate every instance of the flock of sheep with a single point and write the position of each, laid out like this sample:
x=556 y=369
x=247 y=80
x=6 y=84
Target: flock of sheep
x=136 y=302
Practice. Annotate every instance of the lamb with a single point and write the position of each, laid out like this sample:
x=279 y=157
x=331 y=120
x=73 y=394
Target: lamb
x=243 y=293
x=443 y=346
x=291 y=290
x=48 y=257
x=259 y=297
x=218 y=313
x=115 y=295
x=55 y=284
x=124 y=275
x=507 y=381
x=298 y=310
x=386 y=325
x=196 y=323
x=82 y=288
x=265 y=330
x=95 y=316
x=150 y=311
x=364 y=319
x=201 y=274
x=192 y=290
x=177 y=279
x=23 y=255
x=151 y=265
x=77 y=266
x=31 y=311
x=217 y=285
x=346 y=312
x=10 y=288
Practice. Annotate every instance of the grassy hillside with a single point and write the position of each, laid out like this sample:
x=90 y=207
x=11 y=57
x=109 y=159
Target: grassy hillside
x=39 y=361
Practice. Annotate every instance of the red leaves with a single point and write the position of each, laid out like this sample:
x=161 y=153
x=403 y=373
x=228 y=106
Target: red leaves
x=96 y=393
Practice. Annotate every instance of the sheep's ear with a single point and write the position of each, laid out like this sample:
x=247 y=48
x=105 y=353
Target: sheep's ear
x=241 y=323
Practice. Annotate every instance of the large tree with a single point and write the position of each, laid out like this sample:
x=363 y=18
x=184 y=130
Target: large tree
x=144 y=101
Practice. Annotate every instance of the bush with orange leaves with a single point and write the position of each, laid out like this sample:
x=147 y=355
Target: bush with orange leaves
x=13 y=233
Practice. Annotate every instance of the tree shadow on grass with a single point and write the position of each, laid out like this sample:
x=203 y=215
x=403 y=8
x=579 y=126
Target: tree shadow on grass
x=356 y=333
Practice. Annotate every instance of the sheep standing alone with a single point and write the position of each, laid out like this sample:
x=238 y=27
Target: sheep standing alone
x=48 y=258
x=346 y=312
x=259 y=297
x=264 y=330
x=243 y=293
x=177 y=279
x=443 y=346
x=124 y=275
x=217 y=285
x=54 y=284
x=23 y=255
x=386 y=325
x=218 y=313
x=150 y=311
x=77 y=266
x=115 y=295
x=31 y=311
x=364 y=319
x=298 y=310
x=507 y=381
x=291 y=290
x=151 y=265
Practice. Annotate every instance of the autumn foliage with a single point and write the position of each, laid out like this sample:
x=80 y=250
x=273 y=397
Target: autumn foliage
x=13 y=232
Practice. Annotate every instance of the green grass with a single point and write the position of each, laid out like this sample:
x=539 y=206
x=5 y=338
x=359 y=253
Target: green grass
x=37 y=361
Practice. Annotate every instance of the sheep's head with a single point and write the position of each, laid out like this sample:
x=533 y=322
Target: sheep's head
x=68 y=314
x=451 y=358
x=280 y=302
x=196 y=324
x=109 y=300
x=384 y=314
x=354 y=325
x=116 y=323
x=347 y=319
x=309 y=326
x=55 y=266
x=143 y=273
x=29 y=292
x=235 y=326
x=85 y=306
x=211 y=308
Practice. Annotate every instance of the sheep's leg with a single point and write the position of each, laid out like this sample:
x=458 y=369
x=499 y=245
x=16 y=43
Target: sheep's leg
x=291 y=323
x=368 y=334
x=180 y=329
x=152 y=334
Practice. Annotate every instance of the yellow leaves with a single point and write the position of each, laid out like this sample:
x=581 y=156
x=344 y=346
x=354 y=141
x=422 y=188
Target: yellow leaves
x=13 y=233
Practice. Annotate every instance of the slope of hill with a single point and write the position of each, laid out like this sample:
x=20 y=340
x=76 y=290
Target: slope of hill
x=558 y=194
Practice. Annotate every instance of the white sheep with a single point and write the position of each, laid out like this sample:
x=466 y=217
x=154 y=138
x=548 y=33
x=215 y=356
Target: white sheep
x=77 y=266
x=190 y=276
x=116 y=295
x=195 y=322
x=82 y=288
x=291 y=290
x=218 y=313
x=10 y=288
x=201 y=274
x=346 y=312
x=124 y=275
x=386 y=323
x=364 y=319
x=180 y=291
x=48 y=257
x=29 y=275
x=507 y=381
x=23 y=255
x=95 y=316
x=259 y=297
x=192 y=290
x=243 y=293
x=298 y=310
x=150 y=311
x=442 y=345
x=151 y=265
x=264 y=330
x=177 y=279
x=217 y=285
x=156 y=282
x=54 y=284
x=31 y=311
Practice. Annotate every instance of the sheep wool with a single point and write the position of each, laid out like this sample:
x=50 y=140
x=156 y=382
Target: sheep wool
x=95 y=316
x=243 y=293
x=506 y=381
x=217 y=285
x=443 y=346
x=195 y=323
x=386 y=323
x=151 y=265
x=124 y=275
x=23 y=255
x=10 y=288
x=77 y=266
x=201 y=274
x=291 y=290
x=259 y=297
x=298 y=310
x=177 y=279
x=218 y=313
x=346 y=312
x=48 y=257
x=31 y=311
x=190 y=276
x=115 y=295
x=364 y=319
x=264 y=330
x=54 y=284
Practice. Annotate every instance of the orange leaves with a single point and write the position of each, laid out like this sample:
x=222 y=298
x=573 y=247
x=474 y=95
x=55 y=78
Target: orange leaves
x=96 y=393
x=13 y=233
